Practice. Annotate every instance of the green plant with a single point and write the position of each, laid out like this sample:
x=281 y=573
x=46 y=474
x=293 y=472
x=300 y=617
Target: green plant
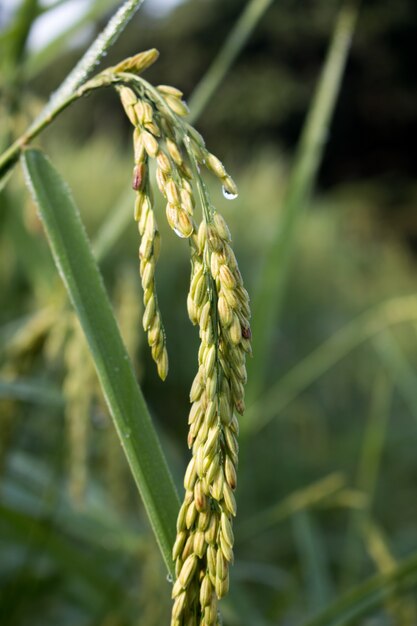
x=217 y=302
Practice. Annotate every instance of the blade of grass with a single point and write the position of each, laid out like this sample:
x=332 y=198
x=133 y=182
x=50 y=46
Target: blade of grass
x=374 y=438
x=402 y=372
x=79 y=272
x=326 y=355
x=363 y=598
x=75 y=78
x=269 y=296
x=296 y=501
x=92 y=56
x=312 y=557
x=367 y=473
x=234 y=43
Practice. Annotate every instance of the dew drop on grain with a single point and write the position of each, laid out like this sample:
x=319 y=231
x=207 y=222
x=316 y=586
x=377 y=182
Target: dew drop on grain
x=228 y=195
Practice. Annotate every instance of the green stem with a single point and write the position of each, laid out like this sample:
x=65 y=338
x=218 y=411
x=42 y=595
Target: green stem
x=269 y=297
x=367 y=472
x=66 y=93
x=12 y=154
x=92 y=56
x=236 y=40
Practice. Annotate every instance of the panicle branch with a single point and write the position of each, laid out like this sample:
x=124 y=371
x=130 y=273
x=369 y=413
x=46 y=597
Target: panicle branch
x=219 y=304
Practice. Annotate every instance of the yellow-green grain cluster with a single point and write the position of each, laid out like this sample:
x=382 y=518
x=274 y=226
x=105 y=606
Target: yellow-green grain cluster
x=145 y=145
x=218 y=303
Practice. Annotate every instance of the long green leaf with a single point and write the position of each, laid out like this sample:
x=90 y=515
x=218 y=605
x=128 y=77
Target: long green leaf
x=270 y=292
x=368 y=595
x=79 y=272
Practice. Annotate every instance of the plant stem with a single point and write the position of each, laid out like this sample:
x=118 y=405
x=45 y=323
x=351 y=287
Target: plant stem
x=93 y=55
x=368 y=471
x=309 y=154
x=12 y=154
x=236 y=40
x=66 y=93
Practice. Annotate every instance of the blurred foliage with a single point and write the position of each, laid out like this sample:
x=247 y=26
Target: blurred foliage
x=265 y=97
x=335 y=471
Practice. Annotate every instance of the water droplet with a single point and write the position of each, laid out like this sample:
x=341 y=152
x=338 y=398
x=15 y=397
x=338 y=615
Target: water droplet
x=228 y=195
x=170 y=579
x=127 y=434
x=179 y=233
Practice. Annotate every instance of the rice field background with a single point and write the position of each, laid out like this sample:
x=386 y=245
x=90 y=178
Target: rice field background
x=324 y=230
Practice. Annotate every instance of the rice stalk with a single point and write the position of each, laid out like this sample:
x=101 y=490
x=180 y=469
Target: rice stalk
x=218 y=303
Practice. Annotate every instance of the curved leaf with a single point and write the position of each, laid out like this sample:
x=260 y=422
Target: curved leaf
x=79 y=272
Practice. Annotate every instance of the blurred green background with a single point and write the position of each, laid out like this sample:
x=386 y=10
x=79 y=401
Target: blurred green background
x=328 y=470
